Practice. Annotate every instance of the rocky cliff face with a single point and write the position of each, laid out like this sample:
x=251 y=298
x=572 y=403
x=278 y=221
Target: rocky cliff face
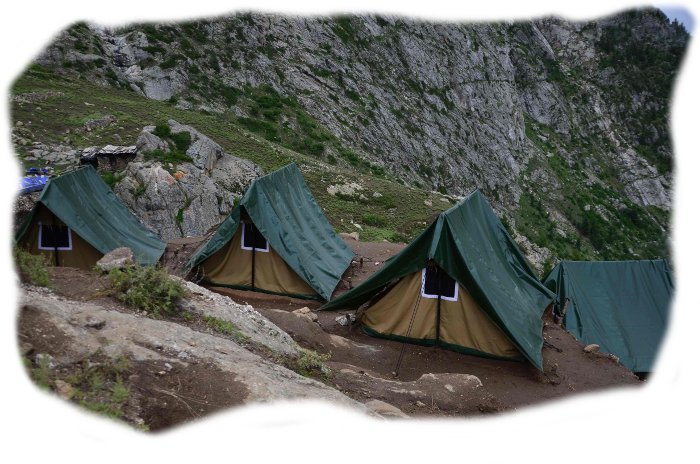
x=545 y=117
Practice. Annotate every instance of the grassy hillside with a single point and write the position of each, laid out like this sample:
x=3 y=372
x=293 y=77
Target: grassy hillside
x=398 y=214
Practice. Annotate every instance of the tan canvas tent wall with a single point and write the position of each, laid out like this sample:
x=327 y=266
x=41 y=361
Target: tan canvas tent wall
x=463 y=323
x=232 y=266
x=73 y=250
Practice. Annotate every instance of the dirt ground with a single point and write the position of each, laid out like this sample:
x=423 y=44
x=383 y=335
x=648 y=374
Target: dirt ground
x=567 y=369
x=431 y=382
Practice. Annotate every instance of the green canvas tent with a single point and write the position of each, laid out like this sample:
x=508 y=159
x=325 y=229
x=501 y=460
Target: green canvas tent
x=622 y=306
x=276 y=240
x=78 y=219
x=488 y=301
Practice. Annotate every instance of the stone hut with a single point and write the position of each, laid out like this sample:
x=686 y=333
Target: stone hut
x=110 y=158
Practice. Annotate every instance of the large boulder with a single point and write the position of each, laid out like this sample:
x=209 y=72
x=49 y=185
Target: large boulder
x=233 y=176
x=203 y=151
x=149 y=142
x=171 y=205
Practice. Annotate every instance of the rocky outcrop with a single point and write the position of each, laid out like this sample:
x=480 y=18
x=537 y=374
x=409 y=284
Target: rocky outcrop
x=233 y=176
x=33 y=97
x=183 y=200
x=142 y=339
x=204 y=151
x=149 y=142
x=178 y=204
x=99 y=123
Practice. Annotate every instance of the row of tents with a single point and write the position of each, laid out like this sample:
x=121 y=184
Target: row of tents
x=462 y=284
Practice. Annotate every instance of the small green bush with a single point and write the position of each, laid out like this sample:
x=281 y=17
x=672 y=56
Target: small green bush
x=32 y=268
x=308 y=362
x=111 y=179
x=398 y=237
x=373 y=220
x=148 y=288
x=162 y=130
x=172 y=157
x=182 y=140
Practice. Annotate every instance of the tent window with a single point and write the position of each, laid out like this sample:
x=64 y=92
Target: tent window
x=52 y=237
x=448 y=286
x=253 y=238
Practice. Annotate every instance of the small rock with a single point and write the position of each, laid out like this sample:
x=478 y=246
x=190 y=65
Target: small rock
x=193 y=344
x=358 y=226
x=46 y=358
x=13 y=278
x=591 y=348
x=385 y=409
x=304 y=310
x=420 y=404
x=615 y=358
x=161 y=373
x=428 y=203
x=63 y=389
x=347 y=319
x=95 y=323
x=116 y=259
x=325 y=369
x=353 y=235
x=168 y=366
x=183 y=355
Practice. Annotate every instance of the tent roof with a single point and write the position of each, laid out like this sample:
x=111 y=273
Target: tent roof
x=622 y=306
x=90 y=208
x=285 y=212
x=469 y=242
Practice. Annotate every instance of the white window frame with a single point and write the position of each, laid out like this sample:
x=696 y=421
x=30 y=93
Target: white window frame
x=70 y=241
x=424 y=295
x=243 y=247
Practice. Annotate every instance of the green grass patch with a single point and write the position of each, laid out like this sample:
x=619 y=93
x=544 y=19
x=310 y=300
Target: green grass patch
x=32 y=268
x=147 y=288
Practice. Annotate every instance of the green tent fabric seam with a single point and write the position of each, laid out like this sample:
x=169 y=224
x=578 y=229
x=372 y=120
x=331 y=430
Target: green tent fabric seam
x=248 y=287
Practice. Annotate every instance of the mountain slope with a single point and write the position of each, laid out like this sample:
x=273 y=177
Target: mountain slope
x=562 y=125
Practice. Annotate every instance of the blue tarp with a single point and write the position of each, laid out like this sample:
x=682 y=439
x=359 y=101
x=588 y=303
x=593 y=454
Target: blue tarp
x=32 y=183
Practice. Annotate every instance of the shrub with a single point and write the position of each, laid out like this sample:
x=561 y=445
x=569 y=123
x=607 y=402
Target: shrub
x=398 y=237
x=374 y=220
x=162 y=130
x=111 y=179
x=173 y=157
x=308 y=362
x=182 y=140
x=148 y=288
x=32 y=268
